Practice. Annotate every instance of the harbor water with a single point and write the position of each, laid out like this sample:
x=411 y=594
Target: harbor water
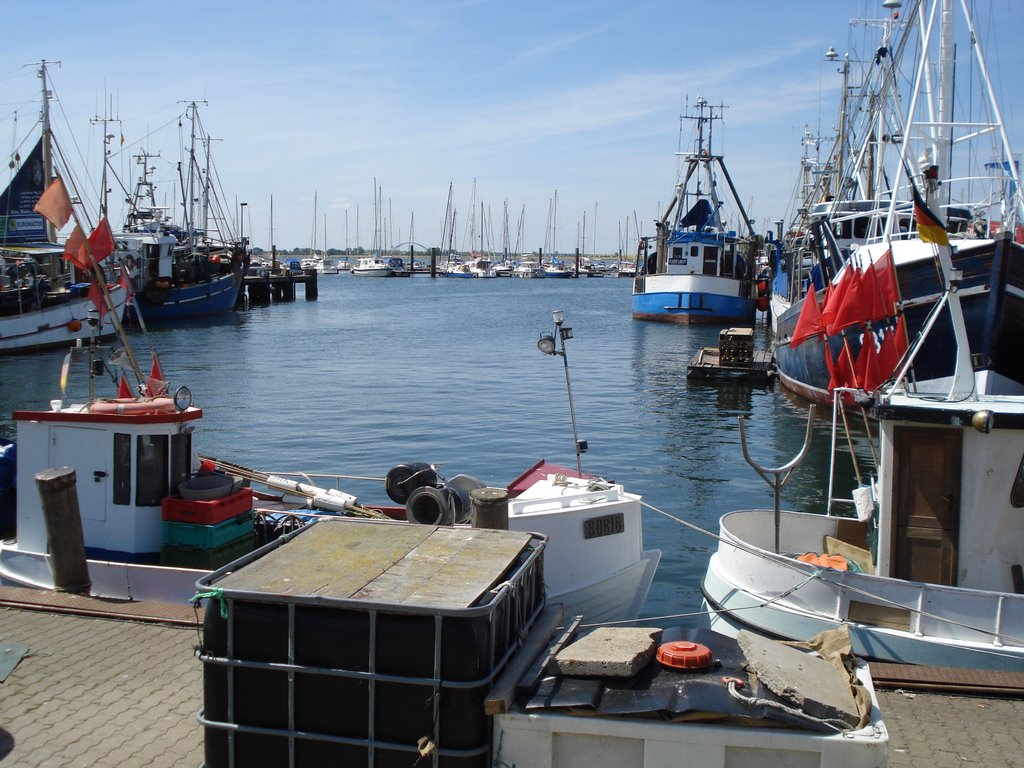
x=379 y=372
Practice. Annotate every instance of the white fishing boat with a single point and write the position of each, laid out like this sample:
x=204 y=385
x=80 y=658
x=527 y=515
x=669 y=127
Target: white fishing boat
x=372 y=266
x=933 y=575
x=42 y=303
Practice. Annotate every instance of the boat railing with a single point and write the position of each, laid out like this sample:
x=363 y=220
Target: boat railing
x=938 y=611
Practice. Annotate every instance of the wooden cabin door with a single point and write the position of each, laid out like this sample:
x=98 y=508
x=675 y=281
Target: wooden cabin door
x=926 y=494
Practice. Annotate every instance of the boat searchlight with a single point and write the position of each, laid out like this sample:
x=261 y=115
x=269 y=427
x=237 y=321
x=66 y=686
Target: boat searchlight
x=546 y=344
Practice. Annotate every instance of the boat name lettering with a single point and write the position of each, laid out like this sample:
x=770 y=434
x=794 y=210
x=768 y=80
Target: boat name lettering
x=606 y=525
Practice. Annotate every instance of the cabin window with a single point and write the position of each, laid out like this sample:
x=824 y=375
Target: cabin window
x=151 y=255
x=151 y=459
x=860 y=227
x=710 y=260
x=694 y=251
x=677 y=256
x=181 y=459
x=729 y=261
x=122 y=469
x=1017 y=493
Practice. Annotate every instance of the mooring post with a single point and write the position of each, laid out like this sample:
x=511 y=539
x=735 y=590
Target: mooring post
x=489 y=508
x=58 y=494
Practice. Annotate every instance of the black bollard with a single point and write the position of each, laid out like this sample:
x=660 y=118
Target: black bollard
x=58 y=493
x=489 y=508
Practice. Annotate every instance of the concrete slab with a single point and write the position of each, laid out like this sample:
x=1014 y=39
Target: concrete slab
x=609 y=652
x=802 y=680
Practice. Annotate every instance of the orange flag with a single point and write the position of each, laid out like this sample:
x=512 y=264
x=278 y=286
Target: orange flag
x=885 y=274
x=98 y=299
x=54 y=204
x=74 y=249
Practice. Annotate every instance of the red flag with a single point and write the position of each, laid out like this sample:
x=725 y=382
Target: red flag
x=888 y=353
x=885 y=274
x=869 y=372
x=155 y=384
x=873 y=300
x=833 y=300
x=54 y=204
x=123 y=390
x=809 y=323
x=841 y=371
x=853 y=306
x=125 y=280
x=74 y=249
x=101 y=241
x=98 y=299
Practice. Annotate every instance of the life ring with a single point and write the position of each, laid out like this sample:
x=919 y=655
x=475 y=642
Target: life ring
x=125 y=406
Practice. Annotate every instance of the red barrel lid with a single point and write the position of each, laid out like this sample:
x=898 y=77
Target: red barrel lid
x=682 y=654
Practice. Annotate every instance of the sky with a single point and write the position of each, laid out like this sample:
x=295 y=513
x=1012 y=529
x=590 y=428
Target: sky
x=312 y=105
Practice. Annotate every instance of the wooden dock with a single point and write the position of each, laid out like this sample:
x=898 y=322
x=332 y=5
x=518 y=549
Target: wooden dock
x=274 y=287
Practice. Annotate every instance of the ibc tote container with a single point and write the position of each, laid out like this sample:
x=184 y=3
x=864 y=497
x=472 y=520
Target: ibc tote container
x=364 y=643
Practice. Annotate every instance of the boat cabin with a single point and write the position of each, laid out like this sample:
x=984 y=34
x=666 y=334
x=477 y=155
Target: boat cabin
x=126 y=464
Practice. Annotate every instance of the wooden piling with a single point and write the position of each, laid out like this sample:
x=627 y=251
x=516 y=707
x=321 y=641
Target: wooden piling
x=59 y=497
x=489 y=508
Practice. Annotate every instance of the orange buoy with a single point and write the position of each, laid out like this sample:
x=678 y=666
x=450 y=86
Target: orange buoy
x=763 y=302
x=75 y=326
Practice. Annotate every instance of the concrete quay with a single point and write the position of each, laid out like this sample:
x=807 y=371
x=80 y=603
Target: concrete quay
x=122 y=693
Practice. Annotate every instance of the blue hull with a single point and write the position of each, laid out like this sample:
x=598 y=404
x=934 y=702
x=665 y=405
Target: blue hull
x=215 y=297
x=683 y=308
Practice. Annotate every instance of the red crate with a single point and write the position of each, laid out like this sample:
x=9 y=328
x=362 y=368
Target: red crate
x=177 y=510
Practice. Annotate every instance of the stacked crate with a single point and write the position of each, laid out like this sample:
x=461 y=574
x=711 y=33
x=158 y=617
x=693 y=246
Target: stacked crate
x=206 y=534
x=736 y=347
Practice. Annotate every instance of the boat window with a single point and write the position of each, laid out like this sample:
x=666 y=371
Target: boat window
x=694 y=251
x=710 y=260
x=181 y=459
x=677 y=256
x=151 y=459
x=860 y=227
x=1017 y=494
x=122 y=469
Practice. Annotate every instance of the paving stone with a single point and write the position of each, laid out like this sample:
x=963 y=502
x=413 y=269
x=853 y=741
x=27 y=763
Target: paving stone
x=608 y=652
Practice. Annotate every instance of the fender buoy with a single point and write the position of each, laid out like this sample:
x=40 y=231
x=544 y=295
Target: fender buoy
x=763 y=302
x=123 y=406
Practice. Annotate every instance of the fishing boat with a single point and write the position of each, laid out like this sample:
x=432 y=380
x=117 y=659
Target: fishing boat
x=700 y=270
x=928 y=571
x=43 y=304
x=372 y=266
x=971 y=184
x=188 y=270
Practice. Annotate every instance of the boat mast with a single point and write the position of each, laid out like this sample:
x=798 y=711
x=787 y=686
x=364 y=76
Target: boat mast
x=44 y=117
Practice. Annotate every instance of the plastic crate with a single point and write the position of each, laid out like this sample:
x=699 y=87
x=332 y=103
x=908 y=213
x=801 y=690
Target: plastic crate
x=205 y=558
x=343 y=678
x=208 y=536
x=736 y=346
x=176 y=510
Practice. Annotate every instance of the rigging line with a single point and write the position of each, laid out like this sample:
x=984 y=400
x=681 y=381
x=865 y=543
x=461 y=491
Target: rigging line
x=881 y=599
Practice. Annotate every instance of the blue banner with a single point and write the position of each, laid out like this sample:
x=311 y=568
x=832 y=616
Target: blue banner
x=19 y=224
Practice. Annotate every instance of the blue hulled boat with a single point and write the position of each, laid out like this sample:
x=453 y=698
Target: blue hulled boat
x=700 y=270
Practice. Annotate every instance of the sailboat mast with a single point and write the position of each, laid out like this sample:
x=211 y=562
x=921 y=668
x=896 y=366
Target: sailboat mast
x=51 y=232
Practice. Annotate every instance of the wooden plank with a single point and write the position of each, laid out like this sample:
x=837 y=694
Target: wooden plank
x=499 y=698
x=892 y=675
x=395 y=563
x=452 y=568
x=330 y=558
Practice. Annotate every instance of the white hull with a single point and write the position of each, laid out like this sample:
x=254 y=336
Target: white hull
x=110 y=580
x=49 y=327
x=783 y=597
